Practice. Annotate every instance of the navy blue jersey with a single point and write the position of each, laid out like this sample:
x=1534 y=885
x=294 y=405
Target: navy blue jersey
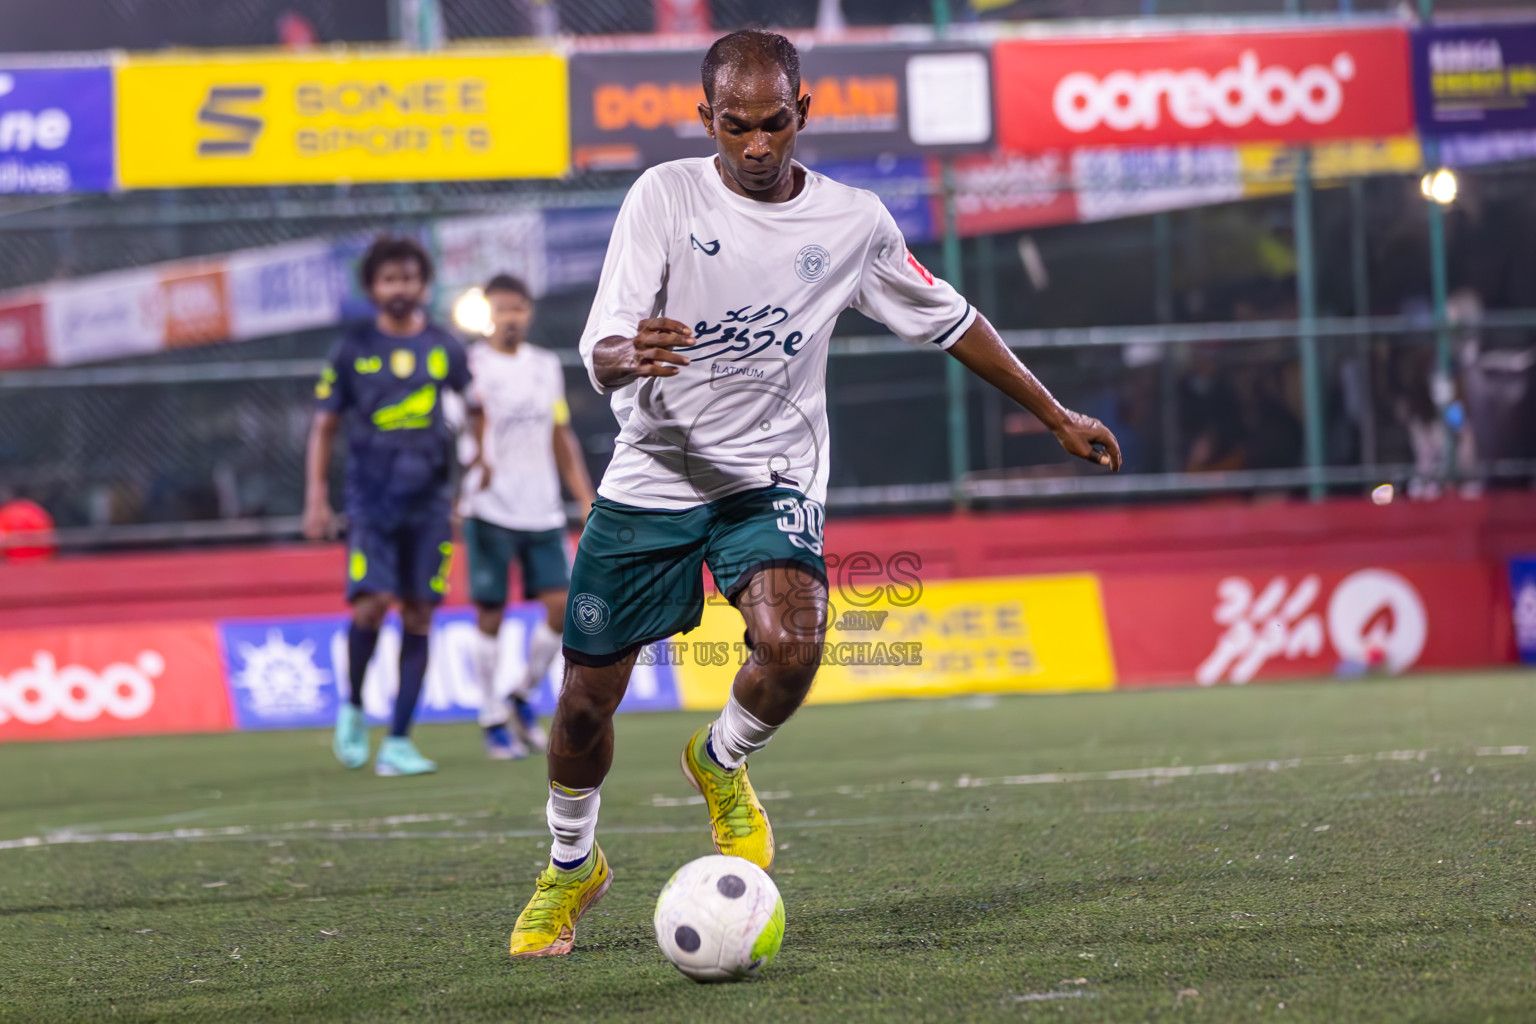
x=389 y=392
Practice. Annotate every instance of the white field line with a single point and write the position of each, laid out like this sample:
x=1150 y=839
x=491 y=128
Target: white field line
x=386 y=827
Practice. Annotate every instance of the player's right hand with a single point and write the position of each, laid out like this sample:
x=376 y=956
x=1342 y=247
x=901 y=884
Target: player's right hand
x=618 y=361
x=319 y=521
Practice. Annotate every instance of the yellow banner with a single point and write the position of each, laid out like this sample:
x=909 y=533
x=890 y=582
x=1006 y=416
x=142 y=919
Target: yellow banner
x=1269 y=168
x=1003 y=635
x=318 y=119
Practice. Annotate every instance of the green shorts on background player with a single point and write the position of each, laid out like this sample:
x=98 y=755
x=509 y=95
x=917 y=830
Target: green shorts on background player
x=384 y=383
x=523 y=447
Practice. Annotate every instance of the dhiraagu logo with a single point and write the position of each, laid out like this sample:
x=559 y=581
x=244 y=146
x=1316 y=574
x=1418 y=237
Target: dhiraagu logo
x=413 y=412
x=745 y=332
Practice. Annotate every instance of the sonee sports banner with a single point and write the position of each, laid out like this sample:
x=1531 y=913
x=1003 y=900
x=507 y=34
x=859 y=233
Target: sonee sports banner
x=231 y=120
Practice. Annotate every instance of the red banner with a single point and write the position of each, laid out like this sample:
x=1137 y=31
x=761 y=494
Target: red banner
x=1009 y=192
x=1170 y=628
x=21 y=336
x=114 y=681
x=1274 y=86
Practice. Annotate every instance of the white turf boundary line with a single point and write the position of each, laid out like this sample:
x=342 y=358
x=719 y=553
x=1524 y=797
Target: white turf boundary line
x=381 y=828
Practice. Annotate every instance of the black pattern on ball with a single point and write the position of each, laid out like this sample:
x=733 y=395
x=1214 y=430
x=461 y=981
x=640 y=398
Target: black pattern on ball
x=686 y=938
x=731 y=886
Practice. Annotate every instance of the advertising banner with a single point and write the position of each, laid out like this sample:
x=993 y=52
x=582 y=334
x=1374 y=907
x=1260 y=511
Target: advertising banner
x=1170 y=628
x=1009 y=634
x=291 y=287
x=110 y=681
x=291 y=673
x=1012 y=191
x=196 y=305
x=471 y=249
x=295 y=119
x=1128 y=182
x=1474 y=77
x=56 y=129
x=22 y=343
x=1211 y=87
x=107 y=316
x=632 y=110
x=1522 y=589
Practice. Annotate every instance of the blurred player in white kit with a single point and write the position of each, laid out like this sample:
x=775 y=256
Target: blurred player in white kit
x=512 y=509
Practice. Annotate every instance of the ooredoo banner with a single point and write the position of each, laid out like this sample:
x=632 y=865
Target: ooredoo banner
x=631 y=110
x=1172 y=628
x=1212 y=87
x=56 y=129
x=111 y=681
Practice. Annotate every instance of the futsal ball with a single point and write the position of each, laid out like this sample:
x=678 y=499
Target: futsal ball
x=720 y=919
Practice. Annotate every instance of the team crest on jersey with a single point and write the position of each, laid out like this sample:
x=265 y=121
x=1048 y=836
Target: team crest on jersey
x=402 y=362
x=590 y=613
x=812 y=263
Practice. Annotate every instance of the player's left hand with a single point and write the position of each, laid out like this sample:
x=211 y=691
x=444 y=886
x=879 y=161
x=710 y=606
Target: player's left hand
x=1089 y=439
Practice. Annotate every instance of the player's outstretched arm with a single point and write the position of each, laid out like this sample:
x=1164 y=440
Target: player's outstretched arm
x=983 y=352
x=617 y=361
x=573 y=468
x=319 y=522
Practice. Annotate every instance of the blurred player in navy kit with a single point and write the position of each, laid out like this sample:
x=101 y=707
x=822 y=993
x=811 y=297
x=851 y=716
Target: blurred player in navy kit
x=384 y=380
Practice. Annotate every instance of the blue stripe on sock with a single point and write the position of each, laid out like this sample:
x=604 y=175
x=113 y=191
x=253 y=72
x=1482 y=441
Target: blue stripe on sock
x=569 y=865
x=709 y=748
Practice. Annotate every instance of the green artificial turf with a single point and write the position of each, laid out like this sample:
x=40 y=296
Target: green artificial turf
x=969 y=859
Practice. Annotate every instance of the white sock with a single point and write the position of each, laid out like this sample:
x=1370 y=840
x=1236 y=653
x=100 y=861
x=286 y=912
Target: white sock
x=493 y=710
x=572 y=815
x=737 y=734
x=542 y=648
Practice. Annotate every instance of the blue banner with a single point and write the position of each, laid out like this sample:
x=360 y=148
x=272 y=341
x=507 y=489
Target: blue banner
x=1474 y=88
x=904 y=184
x=291 y=673
x=1522 y=584
x=56 y=130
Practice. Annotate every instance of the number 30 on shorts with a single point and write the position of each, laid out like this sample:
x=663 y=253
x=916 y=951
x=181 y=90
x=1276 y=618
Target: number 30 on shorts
x=803 y=520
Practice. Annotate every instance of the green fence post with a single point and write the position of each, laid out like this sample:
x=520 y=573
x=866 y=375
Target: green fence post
x=1306 y=315
x=954 y=373
x=1439 y=287
x=1360 y=287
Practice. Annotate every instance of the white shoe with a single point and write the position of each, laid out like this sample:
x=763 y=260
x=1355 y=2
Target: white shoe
x=525 y=725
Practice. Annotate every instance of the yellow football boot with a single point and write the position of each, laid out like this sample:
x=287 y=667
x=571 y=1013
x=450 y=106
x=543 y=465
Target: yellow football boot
x=547 y=925
x=736 y=816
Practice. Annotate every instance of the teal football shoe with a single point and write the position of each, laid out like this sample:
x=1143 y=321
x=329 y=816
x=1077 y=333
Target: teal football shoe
x=399 y=756
x=350 y=744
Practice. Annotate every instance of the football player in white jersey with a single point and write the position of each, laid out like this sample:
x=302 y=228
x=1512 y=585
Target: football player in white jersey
x=511 y=505
x=723 y=280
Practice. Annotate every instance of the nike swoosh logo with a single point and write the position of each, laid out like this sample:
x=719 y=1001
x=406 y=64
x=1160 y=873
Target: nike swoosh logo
x=707 y=248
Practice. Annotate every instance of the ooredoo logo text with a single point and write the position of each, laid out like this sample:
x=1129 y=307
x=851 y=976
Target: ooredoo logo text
x=43 y=691
x=1234 y=96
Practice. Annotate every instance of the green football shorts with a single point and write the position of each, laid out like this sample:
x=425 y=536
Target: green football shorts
x=639 y=578
x=540 y=554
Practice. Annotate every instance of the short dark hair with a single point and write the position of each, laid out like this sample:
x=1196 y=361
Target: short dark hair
x=508 y=283
x=753 y=46
x=387 y=249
